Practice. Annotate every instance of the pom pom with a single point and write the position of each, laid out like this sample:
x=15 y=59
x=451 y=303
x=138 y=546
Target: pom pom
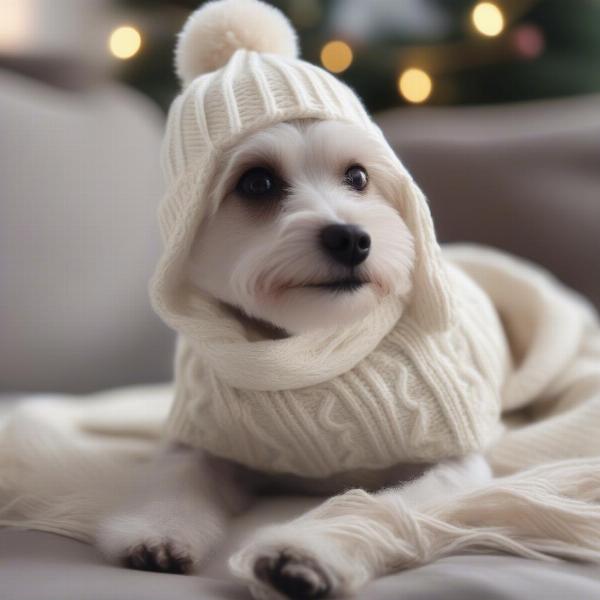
x=217 y=29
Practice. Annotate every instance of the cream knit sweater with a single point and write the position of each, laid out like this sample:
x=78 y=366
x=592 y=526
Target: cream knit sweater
x=378 y=394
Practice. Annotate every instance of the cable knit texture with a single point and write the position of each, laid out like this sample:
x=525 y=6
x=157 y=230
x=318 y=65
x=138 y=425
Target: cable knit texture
x=411 y=398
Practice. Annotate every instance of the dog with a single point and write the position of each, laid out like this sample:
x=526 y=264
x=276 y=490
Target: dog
x=304 y=237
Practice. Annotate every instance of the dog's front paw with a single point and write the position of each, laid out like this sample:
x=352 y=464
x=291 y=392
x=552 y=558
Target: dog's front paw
x=286 y=563
x=293 y=574
x=138 y=542
x=165 y=556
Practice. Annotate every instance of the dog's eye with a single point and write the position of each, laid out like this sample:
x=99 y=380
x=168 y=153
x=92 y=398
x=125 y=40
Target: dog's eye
x=259 y=183
x=356 y=177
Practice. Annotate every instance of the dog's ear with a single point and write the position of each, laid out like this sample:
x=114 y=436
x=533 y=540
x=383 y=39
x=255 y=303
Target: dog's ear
x=431 y=303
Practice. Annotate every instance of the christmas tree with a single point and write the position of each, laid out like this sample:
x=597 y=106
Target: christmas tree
x=395 y=52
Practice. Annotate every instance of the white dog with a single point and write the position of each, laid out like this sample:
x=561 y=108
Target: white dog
x=325 y=343
x=304 y=238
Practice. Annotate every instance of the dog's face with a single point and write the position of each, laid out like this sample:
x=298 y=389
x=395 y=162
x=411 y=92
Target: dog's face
x=303 y=237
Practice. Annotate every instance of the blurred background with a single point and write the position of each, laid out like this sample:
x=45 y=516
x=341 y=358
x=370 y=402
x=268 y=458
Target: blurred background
x=393 y=52
x=494 y=106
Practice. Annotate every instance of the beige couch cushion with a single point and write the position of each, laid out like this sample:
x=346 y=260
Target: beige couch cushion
x=79 y=187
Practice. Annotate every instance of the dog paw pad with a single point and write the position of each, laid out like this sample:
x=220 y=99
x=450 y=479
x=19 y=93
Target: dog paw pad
x=296 y=576
x=164 y=557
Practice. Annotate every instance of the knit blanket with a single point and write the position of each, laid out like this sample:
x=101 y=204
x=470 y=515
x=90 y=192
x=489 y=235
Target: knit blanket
x=57 y=453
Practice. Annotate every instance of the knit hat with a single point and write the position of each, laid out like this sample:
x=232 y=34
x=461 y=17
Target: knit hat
x=238 y=64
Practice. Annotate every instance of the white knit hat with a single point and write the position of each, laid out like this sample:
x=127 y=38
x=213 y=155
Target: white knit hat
x=237 y=60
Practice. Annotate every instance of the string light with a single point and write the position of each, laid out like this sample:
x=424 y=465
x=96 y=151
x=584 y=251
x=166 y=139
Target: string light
x=415 y=85
x=125 y=42
x=487 y=19
x=336 y=56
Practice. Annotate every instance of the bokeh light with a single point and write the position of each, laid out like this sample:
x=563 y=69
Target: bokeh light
x=528 y=41
x=125 y=42
x=336 y=56
x=17 y=19
x=488 y=19
x=415 y=85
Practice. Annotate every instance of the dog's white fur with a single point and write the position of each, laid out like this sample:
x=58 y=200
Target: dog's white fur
x=258 y=259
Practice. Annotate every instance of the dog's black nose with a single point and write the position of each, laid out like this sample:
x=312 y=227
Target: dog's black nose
x=347 y=244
